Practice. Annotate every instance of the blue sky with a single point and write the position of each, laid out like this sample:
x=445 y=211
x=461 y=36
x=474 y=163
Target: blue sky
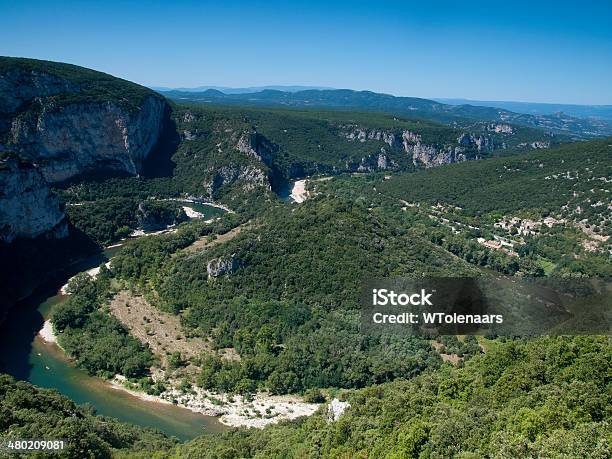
x=538 y=51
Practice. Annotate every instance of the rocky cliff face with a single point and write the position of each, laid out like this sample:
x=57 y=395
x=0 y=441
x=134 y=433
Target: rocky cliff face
x=431 y=155
x=251 y=174
x=421 y=154
x=251 y=177
x=240 y=153
x=220 y=266
x=402 y=142
x=28 y=209
x=63 y=122
x=67 y=141
x=257 y=146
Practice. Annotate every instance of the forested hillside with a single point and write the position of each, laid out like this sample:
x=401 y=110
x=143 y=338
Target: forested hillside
x=547 y=397
x=241 y=156
x=288 y=303
x=74 y=84
x=27 y=412
x=284 y=293
x=296 y=143
x=549 y=210
x=555 y=182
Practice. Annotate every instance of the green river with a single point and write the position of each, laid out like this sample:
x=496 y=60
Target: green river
x=27 y=357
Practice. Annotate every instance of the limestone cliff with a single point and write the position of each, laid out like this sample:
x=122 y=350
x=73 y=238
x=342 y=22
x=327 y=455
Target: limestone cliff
x=65 y=121
x=250 y=172
x=249 y=176
x=257 y=146
x=421 y=154
x=28 y=209
x=68 y=141
x=220 y=266
x=67 y=127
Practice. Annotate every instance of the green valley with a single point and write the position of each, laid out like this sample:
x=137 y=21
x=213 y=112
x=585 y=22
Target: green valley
x=209 y=254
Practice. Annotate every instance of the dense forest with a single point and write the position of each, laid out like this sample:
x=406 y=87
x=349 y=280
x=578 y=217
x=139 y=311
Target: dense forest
x=297 y=143
x=573 y=175
x=86 y=85
x=27 y=412
x=110 y=210
x=291 y=307
x=459 y=203
x=546 y=397
x=96 y=339
x=287 y=332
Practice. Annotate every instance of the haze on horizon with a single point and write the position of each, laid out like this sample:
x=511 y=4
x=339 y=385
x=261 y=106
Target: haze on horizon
x=549 y=52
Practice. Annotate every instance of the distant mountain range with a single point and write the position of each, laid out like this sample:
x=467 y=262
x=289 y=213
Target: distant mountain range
x=250 y=89
x=528 y=108
x=463 y=116
x=534 y=108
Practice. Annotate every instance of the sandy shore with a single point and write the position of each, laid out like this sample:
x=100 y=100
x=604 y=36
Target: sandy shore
x=211 y=204
x=202 y=201
x=46 y=333
x=298 y=191
x=119 y=382
x=141 y=232
x=192 y=213
x=233 y=411
x=93 y=273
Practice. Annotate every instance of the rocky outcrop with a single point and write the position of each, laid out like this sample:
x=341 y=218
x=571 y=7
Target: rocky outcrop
x=220 y=266
x=352 y=132
x=28 y=209
x=372 y=163
x=538 y=145
x=67 y=128
x=410 y=137
x=430 y=156
x=188 y=135
x=68 y=141
x=251 y=176
x=257 y=146
x=500 y=128
x=422 y=154
x=153 y=217
x=256 y=172
x=335 y=409
x=481 y=143
x=59 y=122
